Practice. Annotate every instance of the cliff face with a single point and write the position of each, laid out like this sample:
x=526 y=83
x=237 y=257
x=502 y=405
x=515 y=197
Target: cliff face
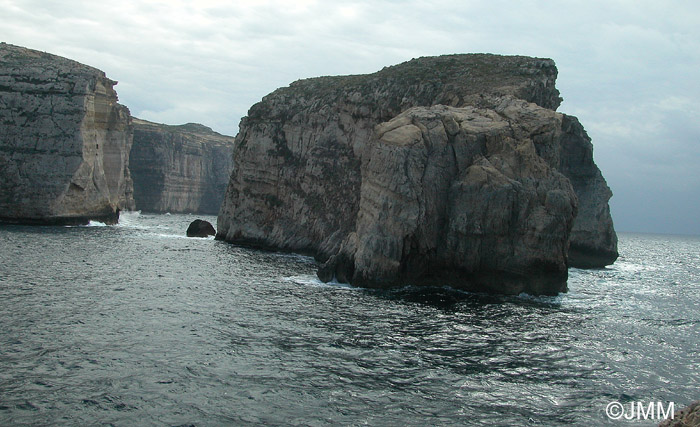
x=471 y=195
x=64 y=141
x=593 y=238
x=179 y=168
x=296 y=179
x=460 y=196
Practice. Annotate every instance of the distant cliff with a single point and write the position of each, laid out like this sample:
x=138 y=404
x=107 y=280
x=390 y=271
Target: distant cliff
x=64 y=141
x=179 y=168
x=443 y=170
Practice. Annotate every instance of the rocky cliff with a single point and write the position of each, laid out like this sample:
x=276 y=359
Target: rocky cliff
x=593 y=238
x=179 y=168
x=64 y=141
x=439 y=170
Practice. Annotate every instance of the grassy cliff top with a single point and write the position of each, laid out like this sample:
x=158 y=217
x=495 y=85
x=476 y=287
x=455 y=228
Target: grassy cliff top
x=21 y=59
x=195 y=129
x=454 y=80
x=479 y=71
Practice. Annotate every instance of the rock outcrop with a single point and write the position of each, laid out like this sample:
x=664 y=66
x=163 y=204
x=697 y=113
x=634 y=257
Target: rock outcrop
x=64 y=141
x=593 y=238
x=179 y=168
x=200 y=228
x=439 y=170
x=686 y=417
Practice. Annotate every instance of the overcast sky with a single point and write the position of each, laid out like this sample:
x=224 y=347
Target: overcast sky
x=630 y=70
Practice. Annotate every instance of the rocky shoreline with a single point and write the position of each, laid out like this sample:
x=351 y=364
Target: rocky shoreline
x=442 y=170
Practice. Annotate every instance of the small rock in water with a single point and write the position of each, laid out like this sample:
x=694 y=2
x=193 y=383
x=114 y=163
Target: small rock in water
x=200 y=228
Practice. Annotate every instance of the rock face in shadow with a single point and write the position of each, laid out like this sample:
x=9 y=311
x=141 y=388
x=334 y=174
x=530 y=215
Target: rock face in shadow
x=593 y=238
x=64 y=141
x=439 y=170
x=181 y=169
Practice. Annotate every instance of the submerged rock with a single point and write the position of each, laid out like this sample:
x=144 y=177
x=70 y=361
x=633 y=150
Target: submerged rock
x=200 y=228
x=444 y=170
x=64 y=141
x=182 y=168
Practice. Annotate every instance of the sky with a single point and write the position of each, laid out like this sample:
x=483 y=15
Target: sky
x=629 y=70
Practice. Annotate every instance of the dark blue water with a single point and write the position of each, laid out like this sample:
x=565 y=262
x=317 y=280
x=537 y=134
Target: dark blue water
x=135 y=324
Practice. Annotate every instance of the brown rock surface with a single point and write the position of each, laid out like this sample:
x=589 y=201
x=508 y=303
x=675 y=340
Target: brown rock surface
x=686 y=417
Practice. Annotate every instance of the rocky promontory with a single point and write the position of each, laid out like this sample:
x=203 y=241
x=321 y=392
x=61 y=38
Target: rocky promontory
x=181 y=169
x=443 y=170
x=64 y=141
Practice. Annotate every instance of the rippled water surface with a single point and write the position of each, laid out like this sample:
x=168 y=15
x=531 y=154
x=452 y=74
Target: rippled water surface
x=135 y=324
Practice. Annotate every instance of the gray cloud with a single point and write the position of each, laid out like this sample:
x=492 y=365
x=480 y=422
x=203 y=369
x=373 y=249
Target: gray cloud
x=628 y=70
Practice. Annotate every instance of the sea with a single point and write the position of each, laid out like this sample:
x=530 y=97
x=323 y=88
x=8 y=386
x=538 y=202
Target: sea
x=136 y=324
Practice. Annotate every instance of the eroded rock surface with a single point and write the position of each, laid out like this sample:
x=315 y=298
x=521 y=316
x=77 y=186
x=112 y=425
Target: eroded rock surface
x=181 y=169
x=64 y=141
x=460 y=196
x=467 y=190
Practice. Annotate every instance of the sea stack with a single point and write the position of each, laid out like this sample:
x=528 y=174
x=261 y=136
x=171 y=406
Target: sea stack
x=452 y=170
x=64 y=141
x=183 y=169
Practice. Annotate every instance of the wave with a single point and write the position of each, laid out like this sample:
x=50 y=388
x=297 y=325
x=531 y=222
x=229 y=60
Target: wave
x=90 y=223
x=182 y=236
x=312 y=280
x=95 y=224
x=128 y=218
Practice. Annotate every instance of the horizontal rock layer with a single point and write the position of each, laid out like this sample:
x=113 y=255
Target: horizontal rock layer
x=460 y=196
x=179 y=168
x=64 y=141
x=317 y=171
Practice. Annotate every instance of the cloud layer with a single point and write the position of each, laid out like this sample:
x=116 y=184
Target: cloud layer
x=627 y=69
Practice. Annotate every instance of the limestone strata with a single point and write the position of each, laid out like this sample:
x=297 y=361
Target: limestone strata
x=460 y=196
x=313 y=172
x=64 y=141
x=296 y=179
x=179 y=168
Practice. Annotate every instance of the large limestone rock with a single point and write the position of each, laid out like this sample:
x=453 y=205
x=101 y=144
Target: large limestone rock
x=64 y=141
x=179 y=168
x=460 y=196
x=330 y=166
